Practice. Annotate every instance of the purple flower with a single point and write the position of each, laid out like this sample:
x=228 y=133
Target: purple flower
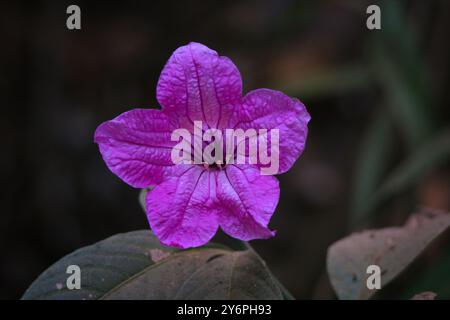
x=190 y=202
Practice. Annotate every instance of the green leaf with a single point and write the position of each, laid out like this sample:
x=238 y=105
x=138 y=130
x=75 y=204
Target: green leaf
x=372 y=163
x=135 y=266
x=400 y=72
x=403 y=99
x=368 y=191
x=416 y=166
x=435 y=278
x=392 y=249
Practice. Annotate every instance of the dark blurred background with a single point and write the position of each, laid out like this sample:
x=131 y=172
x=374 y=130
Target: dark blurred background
x=379 y=139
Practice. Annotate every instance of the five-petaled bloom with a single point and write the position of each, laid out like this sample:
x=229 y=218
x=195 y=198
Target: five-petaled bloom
x=190 y=201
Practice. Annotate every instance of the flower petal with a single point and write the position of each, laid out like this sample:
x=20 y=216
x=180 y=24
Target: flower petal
x=247 y=202
x=270 y=109
x=180 y=210
x=199 y=85
x=136 y=146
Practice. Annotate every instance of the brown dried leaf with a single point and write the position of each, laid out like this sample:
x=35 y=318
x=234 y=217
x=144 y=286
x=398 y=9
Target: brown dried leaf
x=392 y=249
x=427 y=295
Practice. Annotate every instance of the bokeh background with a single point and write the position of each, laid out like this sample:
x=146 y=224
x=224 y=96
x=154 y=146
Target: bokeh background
x=379 y=139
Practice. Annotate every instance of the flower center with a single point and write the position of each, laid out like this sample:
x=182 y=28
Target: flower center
x=214 y=166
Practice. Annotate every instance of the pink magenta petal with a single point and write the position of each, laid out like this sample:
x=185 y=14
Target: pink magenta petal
x=180 y=210
x=247 y=201
x=198 y=85
x=270 y=109
x=190 y=202
x=136 y=146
